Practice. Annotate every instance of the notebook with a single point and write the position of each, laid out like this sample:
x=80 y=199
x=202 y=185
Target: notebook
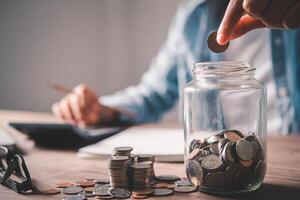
x=167 y=145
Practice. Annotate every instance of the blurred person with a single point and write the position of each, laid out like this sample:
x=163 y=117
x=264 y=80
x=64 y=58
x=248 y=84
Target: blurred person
x=273 y=47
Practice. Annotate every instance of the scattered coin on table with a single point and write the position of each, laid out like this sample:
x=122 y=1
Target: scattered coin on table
x=102 y=191
x=132 y=176
x=138 y=196
x=119 y=193
x=72 y=190
x=75 y=197
x=87 y=194
x=168 y=178
x=64 y=184
x=183 y=182
x=50 y=191
x=85 y=183
x=185 y=189
x=162 y=192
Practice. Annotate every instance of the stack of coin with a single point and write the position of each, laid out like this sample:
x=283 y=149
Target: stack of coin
x=147 y=158
x=118 y=171
x=227 y=160
x=141 y=175
x=143 y=185
x=122 y=151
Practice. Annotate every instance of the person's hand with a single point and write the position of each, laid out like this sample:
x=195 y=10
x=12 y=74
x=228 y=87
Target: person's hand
x=242 y=16
x=82 y=107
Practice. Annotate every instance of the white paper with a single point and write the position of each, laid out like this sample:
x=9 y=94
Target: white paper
x=165 y=144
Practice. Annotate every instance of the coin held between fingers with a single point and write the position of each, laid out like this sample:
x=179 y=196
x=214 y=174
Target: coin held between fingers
x=213 y=45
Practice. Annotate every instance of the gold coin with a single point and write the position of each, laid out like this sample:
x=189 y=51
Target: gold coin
x=138 y=196
x=64 y=184
x=164 y=185
x=246 y=163
x=51 y=191
x=85 y=184
x=232 y=135
x=89 y=189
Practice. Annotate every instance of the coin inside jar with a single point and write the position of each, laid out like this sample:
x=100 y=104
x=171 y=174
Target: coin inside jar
x=194 y=172
x=245 y=149
x=211 y=162
x=213 y=45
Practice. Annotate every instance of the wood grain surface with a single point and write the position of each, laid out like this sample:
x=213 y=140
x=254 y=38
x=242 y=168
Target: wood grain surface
x=49 y=167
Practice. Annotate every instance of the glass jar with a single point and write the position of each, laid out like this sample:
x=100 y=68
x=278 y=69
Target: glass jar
x=225 y=128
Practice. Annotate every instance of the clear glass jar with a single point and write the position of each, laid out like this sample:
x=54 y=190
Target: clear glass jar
x=225 y=128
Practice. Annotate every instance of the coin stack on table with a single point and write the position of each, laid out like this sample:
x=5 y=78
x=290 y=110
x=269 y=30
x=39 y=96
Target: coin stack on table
x=143 y=182
x=122 y=151
x=118 y=167
x=226 y=161
x=140 y=178
x=147 y=158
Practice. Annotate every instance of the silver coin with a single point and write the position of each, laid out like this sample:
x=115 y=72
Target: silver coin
x=3 y=152
x=255 y=142
x=211 y=162
x=123 y=149
x=87 y=194
x=137 y=166
x=213 y=139
x=213 y=45
x=183 y=182
x=72 y=190
x=75 y=197
x=145 y=157
x=194 y=172
x=185 y=189
x=168 y=178
x=227 y=153
x=102 y=191
x=245 y=149
x=194 y=154
x=119 y=193
x=195 y=144
x=162 y=192
x=105 y=197
x=214 y=148
x=222 y=144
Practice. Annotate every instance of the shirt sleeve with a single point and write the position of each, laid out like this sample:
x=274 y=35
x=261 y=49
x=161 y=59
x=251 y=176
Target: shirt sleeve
x=157 y=90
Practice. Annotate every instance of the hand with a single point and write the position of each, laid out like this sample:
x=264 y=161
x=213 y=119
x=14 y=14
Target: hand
x=82 y=107
x=258 y=14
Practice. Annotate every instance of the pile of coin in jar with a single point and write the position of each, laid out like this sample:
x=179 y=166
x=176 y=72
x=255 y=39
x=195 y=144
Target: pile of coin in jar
x=226 y=161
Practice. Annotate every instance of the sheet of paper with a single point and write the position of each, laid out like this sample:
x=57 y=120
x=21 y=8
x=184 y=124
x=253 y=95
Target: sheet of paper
x=165 y=144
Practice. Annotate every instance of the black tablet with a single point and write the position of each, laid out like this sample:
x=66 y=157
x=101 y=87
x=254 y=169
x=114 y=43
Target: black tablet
x=64 y=135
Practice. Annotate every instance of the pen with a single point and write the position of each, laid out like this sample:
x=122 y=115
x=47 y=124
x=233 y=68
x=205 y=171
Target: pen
x=66 y=90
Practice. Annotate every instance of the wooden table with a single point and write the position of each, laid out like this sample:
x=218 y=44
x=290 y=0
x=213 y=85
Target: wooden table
x=51 y=166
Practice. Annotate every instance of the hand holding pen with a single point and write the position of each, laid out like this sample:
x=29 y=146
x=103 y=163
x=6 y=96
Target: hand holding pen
x=82 y=107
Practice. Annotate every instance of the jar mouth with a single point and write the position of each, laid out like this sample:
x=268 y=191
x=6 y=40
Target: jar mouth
x=225 y=68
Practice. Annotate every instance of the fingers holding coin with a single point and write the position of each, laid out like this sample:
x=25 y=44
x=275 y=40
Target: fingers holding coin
x=264 y=13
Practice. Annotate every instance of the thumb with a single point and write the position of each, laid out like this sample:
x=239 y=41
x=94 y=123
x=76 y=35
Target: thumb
x=246 y=24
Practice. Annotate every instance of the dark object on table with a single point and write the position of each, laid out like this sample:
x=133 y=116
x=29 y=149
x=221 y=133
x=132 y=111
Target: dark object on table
x=14 y=173
x=64 y=135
